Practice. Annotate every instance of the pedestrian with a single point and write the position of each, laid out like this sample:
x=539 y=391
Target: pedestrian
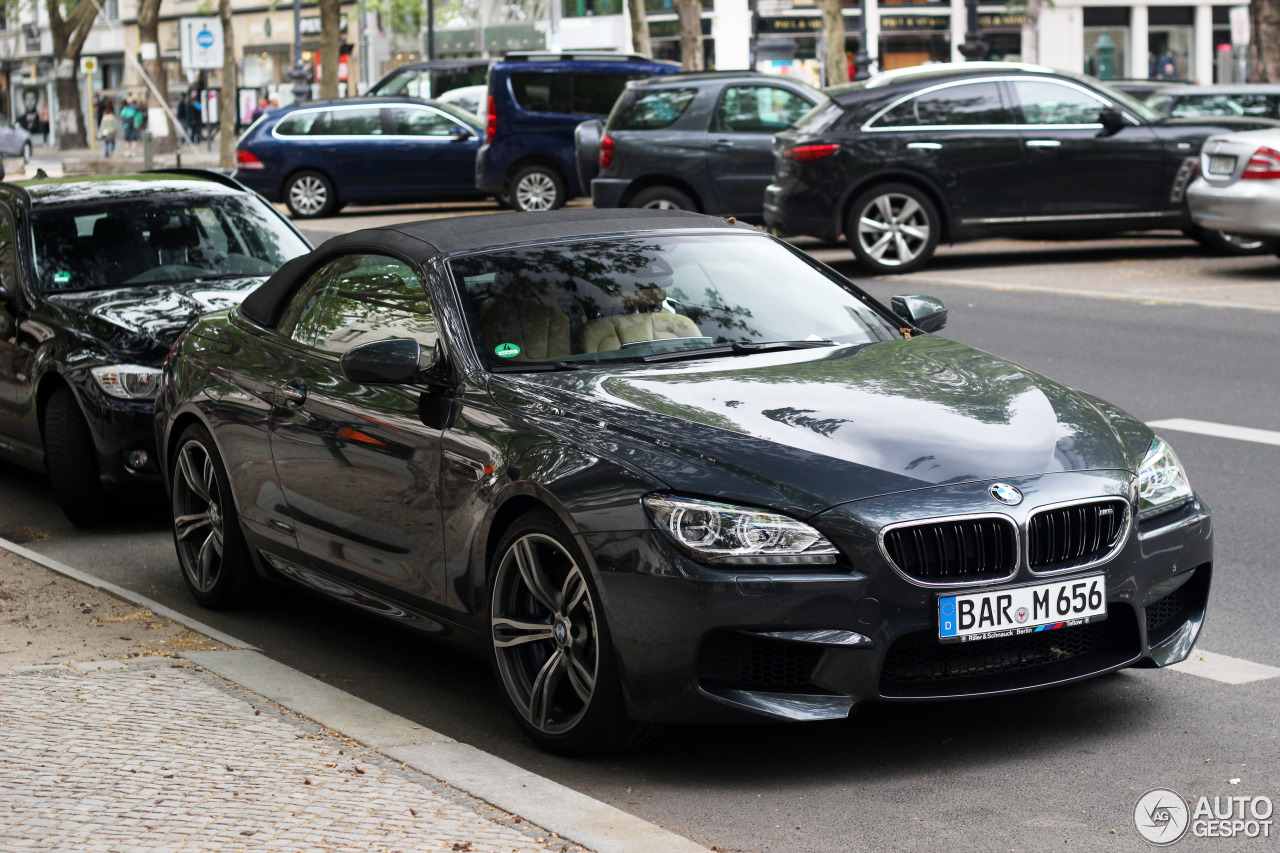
x=184 y=114
x=197 y=118
x=127 y=114
x=107 y=130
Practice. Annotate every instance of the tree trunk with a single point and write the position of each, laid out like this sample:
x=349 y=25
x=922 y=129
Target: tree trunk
x=834 y=65
x=691 y=55
x=68 y=35
x=330 y=39
x=228 y=104
x=149 y=33
x=640 y=28
x=1031 y=31
x=1264 y=41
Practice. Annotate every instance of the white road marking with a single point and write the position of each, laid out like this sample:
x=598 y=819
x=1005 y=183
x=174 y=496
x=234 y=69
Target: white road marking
x=1261 y=436
x=1228 y=670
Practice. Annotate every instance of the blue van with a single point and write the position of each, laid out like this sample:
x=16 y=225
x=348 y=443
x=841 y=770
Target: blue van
x=535 y=102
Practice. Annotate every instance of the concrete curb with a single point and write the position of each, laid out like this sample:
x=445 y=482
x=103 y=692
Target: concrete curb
x=571 y=815
x=128 y=595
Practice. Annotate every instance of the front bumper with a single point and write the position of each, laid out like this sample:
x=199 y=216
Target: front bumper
x=697 y=644
x=1251 y=208
x=120 y=429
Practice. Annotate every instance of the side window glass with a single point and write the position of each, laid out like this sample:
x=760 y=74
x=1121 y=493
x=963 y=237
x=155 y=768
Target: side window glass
x=304 y=124
x=654 y=110
x=595 y=94
x=298 y=319
x=759 y=109
x=368 y=298
x=975 y=103
x=416 y=121
x=8 y=251
x=364 y=122
x=543 y=93
x=1046 y=102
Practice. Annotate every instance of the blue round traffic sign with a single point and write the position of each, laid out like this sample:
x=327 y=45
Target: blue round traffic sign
x=205 y=39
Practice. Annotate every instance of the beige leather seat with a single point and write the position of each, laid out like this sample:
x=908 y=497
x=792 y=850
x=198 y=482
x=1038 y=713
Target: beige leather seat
x=515 y=314
x=611 y=332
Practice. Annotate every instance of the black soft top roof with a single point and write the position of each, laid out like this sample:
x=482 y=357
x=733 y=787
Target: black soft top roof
x=421 y=241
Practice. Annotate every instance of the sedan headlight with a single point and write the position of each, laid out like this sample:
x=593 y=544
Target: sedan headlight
x=128 y=381
x=1161 y=481
x=722 y=534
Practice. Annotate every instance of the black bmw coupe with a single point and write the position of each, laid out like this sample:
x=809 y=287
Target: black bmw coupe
x=659 y=467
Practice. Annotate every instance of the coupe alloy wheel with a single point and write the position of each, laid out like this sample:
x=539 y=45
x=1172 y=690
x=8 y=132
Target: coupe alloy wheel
x=535 y=191
x=545 y=636
x=662 y=204
x=198 y=520
x=893 y=229
x=308 y=195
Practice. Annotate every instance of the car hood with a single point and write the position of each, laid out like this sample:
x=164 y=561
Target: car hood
x=802 y=431
x=157 y=312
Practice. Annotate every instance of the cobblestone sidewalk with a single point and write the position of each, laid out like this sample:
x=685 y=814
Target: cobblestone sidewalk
x=161 y=755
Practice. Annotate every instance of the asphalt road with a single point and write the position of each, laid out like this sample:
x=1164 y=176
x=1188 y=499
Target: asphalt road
x=1058 y=769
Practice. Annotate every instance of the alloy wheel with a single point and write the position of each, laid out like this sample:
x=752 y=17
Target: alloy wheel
x=198 y=520
x=308 y=195
x=545 y=635
x=1241 y=242
x=535 y=191
x=893 y=229
x=662 y=204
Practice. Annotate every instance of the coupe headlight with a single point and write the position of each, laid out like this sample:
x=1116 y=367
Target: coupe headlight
x=1161 y=481
x=128 y=381
x=732 y=535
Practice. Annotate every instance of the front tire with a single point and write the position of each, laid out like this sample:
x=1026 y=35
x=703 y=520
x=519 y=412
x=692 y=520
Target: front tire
x=26 y=151
x=550 y=644
x=662 y=198
x=310 y=195
x=72 y=461
x=893 y=228
x=537 y=188
x=215 y=560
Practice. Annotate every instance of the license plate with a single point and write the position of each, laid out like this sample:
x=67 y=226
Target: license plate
x=1013 y=611
x=1221 y=165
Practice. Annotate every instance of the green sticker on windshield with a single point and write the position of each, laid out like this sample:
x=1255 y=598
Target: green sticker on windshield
x=507 y=350
x=61 y=277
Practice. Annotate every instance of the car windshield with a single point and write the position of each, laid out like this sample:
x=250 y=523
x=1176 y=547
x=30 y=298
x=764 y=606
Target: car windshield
x=102 y=245
x=656 y=297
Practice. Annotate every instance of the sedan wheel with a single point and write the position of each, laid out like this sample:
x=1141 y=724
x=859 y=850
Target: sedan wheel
x=206 y=530
x=893 y=229
x=662 y=198
x=536 y=189
x=310 y=195
x=551 y=647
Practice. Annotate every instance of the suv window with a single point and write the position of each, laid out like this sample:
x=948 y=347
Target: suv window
x=1048 y=102
x=355 y=299
x=360 y=122
x=654 y=110
x=420 y=121
x=759 y=109
x=969 y=104
x=586 y=94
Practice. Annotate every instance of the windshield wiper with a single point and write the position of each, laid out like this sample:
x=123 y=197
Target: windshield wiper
x=737 y=348
x=534 y=367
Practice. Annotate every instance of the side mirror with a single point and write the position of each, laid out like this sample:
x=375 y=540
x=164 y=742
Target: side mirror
x=923 y=312
x=387 y=362
x=1113 y=121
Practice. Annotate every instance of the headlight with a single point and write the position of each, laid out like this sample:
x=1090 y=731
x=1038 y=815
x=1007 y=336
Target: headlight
x=128 y=381
x=1161 y=481
x=732 y=535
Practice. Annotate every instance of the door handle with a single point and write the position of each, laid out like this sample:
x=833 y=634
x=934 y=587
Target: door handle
x=1043 y=143
x=722 y=144
x=927 y=146
x=295 y=393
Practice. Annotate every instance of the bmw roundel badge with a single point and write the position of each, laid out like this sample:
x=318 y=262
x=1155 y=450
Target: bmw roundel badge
x=1006 y=494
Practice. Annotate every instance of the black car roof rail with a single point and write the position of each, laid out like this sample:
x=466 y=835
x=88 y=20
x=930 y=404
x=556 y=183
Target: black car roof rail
x=554 y=56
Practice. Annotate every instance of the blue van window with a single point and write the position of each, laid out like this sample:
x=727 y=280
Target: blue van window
x=366 y=122
x=595 y=94
x=543 y=93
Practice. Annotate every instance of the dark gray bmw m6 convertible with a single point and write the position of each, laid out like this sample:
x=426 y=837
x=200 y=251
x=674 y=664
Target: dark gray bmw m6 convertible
x=659 y=467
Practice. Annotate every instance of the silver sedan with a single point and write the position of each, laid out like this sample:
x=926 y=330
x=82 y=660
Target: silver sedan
x=1238 y=190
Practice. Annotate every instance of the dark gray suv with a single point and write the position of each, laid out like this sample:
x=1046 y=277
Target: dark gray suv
x=701 y=141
